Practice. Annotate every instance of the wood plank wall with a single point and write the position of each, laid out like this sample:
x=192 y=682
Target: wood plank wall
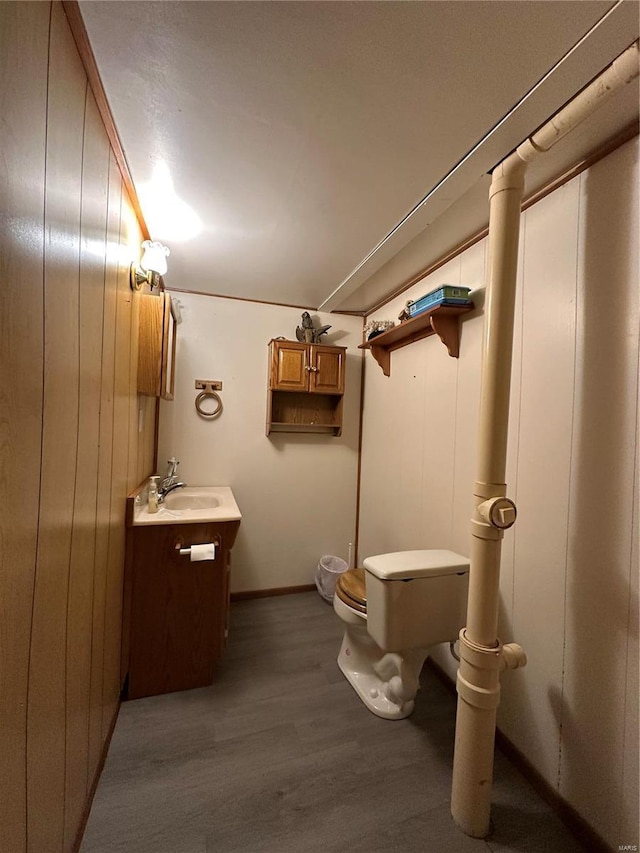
x=74 y=436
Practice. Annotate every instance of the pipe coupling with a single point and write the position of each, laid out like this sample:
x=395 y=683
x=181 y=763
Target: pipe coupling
x=489 y=490
x=477 y=681
x=480 y=662
x=508 y=176
x=485 y=698
x=481 y=530
x=625 y=67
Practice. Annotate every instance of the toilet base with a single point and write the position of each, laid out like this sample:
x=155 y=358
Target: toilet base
x=386 y=682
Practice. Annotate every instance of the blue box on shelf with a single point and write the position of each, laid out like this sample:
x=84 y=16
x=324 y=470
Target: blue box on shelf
x=446 y=294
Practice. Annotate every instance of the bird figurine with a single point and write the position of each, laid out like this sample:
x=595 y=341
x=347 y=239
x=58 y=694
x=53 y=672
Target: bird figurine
x=306 y=333
x=404 y=314
x=318 y=333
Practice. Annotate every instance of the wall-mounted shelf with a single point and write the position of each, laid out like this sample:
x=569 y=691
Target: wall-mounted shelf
x=442 y=320
x=306 y=387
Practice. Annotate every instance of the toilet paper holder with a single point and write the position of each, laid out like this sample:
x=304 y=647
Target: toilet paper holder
x=185 y=551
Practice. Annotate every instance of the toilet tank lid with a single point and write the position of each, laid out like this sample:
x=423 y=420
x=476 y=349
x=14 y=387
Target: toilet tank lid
x=402 y=565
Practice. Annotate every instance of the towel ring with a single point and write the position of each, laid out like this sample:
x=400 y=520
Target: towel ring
x=203 y=395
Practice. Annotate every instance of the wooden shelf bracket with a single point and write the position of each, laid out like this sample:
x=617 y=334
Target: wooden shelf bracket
x=442 y=320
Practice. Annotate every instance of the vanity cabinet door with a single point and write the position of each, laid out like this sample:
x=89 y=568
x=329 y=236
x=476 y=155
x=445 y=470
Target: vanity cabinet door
x=178 y=611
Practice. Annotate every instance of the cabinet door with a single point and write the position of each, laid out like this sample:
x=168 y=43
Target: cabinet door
x=289 y=366
x=178 y=610
x=151 y=321
x=156 y=345
x=327 y=370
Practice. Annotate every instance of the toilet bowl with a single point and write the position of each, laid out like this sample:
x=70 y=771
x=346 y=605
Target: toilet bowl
x=394 y=610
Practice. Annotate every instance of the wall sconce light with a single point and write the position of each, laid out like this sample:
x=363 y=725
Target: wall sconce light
x=152 y=265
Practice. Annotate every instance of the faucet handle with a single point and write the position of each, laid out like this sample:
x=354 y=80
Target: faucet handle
x=173 y=466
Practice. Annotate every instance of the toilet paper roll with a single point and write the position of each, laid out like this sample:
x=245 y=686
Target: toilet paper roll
x=203 y=552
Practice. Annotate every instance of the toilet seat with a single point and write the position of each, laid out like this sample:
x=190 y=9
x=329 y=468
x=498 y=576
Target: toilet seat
x=351 y=589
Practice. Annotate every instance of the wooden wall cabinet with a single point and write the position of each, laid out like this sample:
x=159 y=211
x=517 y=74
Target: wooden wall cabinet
x=177 y=616
x=306 y=387
x=156 y=346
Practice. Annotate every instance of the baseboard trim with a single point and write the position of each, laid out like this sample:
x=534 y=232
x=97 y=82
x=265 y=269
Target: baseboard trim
x=574 y=821
x=94 y=784
x=245 y=595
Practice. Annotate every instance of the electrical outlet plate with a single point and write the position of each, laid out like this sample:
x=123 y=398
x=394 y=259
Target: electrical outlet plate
x=208 y=385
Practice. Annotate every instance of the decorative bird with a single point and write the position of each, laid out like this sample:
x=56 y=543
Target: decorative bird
x=317 y=333
x=306 y=331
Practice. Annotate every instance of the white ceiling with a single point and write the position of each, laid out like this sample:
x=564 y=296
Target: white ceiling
x=303 y=133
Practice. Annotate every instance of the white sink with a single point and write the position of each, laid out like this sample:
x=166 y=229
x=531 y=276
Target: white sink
x=190 y=499
x=192 y=504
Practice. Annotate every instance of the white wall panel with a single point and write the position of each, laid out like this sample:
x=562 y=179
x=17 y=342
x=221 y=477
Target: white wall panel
x=507 y=563
x=297 y=493
x=403 y=394
x=602 y=493
x=530 y=710
x=472 y=274
x=409 y=439
x=441 y=377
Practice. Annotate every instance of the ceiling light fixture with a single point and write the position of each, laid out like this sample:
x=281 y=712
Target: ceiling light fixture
x=153 y=264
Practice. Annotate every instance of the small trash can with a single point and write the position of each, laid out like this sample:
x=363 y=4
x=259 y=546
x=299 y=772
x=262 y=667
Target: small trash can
x=327 y=573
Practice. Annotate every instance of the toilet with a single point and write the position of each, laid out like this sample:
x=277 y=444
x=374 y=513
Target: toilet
x=395 y=609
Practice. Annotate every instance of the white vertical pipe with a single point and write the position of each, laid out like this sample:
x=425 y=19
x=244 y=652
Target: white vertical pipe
x=481 y=656
x=478 y=681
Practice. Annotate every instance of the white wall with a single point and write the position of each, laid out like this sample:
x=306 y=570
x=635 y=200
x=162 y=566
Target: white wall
x=297 y=493
x=569 y=583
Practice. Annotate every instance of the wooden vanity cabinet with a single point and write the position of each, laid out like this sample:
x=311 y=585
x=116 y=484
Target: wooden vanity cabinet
x=306 y=387
x=156 y=345
x=178 y=613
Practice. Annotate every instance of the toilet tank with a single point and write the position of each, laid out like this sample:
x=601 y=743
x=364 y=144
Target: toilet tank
x=416 y=599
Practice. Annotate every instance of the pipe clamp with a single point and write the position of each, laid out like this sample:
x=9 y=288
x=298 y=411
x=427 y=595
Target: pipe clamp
x=478 y=653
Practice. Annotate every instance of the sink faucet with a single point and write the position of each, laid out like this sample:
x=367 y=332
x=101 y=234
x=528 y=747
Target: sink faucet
x=170 y=481
x=163 y=492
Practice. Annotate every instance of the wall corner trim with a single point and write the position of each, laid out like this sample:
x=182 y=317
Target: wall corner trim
x=79 y=33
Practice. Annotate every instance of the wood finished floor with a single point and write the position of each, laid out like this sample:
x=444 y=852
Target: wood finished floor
x=280 y=756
